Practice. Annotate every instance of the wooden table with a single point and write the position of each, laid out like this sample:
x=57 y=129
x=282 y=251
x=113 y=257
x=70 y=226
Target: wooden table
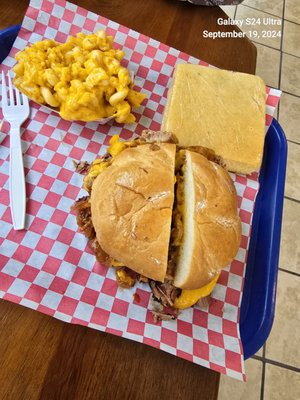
x=43 y=358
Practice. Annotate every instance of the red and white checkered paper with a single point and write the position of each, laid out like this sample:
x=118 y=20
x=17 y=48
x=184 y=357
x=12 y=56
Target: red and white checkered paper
x=48 y=267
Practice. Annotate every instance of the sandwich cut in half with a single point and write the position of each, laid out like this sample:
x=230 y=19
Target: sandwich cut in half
x=131 y=208
x=162 y=215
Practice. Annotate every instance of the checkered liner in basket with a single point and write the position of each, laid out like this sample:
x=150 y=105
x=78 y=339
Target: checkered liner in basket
x=48 y=267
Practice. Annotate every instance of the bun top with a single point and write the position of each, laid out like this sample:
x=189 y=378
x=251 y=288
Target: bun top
x=131 y=206
x=212 y=227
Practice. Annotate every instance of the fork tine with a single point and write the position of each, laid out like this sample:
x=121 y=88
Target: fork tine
x=24 y=99
x=4 y=93
x=18 y=97
x=10 y=89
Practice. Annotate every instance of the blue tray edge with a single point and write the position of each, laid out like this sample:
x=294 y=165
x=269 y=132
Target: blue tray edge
x=263 y=256
x=7 y=38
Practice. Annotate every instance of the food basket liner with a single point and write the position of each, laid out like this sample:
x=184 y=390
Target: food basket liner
x=48 y=266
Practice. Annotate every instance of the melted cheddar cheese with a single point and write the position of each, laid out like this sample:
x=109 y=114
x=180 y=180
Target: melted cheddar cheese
x=99 y=165
x=188 y=298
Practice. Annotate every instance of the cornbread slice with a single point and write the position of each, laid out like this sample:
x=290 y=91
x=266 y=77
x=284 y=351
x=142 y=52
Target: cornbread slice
x=222 y=110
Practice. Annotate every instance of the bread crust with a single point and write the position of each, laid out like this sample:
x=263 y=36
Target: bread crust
x=221 y=110
x=216 y=227
x=131 y=206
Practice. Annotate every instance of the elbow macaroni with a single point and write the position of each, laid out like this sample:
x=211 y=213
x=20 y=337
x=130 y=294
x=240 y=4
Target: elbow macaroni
x=82 y=78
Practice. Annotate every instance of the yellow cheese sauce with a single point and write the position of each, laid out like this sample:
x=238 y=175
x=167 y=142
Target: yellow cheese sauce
x=116 y=146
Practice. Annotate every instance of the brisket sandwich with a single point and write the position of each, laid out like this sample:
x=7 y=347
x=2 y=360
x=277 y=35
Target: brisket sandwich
x=161 y=214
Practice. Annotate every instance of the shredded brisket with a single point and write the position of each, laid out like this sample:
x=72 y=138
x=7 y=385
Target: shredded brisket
x=165 y=293
x=100 y=254
x=82 y=208
x=161 y=313
x=204 y=302
x=161 y=316
x=150 y=136
x=81 y=166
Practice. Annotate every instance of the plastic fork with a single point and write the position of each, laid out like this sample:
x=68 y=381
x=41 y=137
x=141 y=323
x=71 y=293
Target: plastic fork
x=15 y=108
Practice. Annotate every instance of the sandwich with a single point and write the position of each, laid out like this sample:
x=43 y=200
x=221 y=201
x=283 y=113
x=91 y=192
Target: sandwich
x=222 y=110
x=163 y=215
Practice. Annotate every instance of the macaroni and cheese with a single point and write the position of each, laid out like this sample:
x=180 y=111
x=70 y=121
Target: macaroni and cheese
x=83 y=78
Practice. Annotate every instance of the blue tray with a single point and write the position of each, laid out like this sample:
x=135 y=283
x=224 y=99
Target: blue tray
x=258 y=303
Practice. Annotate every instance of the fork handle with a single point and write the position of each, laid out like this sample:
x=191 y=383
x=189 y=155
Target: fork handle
x=17 y=179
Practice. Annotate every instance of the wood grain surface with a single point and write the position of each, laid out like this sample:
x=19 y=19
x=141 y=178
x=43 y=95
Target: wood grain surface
x=43 y=358
x=178 y=24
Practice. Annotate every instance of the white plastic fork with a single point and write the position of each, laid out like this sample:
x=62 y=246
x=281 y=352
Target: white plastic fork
x=15 y=108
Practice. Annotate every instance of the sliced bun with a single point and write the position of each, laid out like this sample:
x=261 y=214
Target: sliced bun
x=212 y=227
x=131 y=206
